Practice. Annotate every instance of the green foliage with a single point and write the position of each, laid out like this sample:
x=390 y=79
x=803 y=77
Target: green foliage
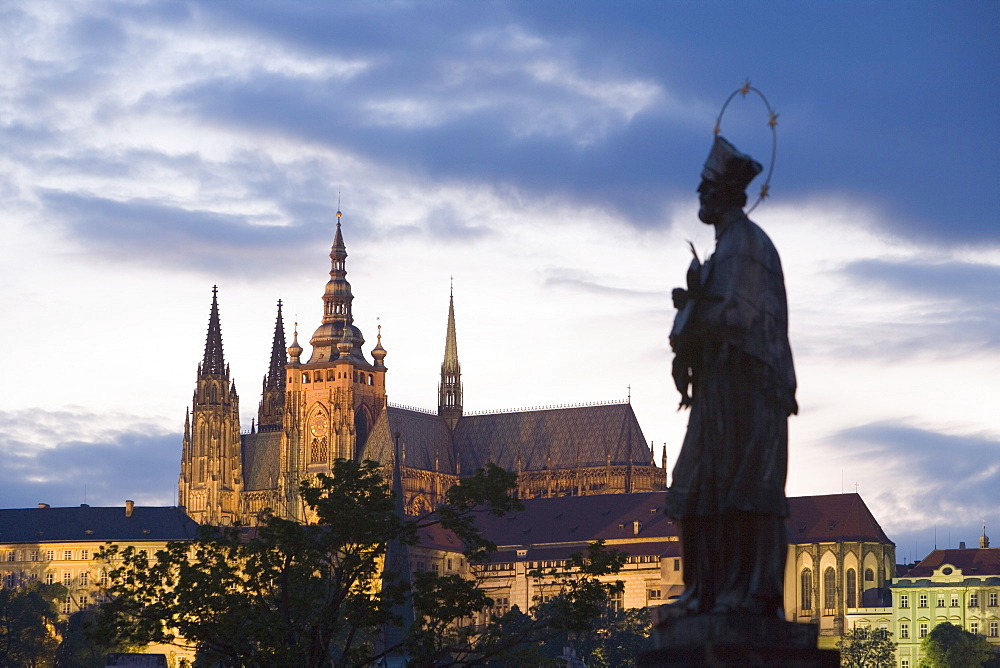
x=78 y=649
x=28 y=617
x=862 y=647
x=312 y=595
x=951 y=646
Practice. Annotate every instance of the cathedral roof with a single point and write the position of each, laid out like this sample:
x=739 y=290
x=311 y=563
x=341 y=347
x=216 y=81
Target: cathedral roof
x=832 y=517
x=260 y=460
x=557 y=438
x=95 y=524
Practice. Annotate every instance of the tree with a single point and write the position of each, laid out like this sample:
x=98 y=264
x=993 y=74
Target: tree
x=617 y=638
x=28 y=615
x=311 y=595
x=862 y=647
x=78 y=648
x=951 y=646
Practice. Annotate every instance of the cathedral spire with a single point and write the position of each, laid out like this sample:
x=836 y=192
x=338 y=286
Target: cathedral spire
x=213 y=362
x=275 y=378
x=337 y=309
x=450 y=389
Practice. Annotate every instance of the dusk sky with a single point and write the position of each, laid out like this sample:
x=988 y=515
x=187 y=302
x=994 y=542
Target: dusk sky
x=545 y=155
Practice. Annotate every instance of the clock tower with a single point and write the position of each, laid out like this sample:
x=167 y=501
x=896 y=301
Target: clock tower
x=334 y=398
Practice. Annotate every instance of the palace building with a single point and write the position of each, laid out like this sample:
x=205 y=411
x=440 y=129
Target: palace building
x=333 y=404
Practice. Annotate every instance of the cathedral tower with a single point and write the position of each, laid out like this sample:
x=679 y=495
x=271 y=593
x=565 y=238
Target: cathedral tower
x=211 y=479
x=332 y=400
x=271 y=412
x=450 y=387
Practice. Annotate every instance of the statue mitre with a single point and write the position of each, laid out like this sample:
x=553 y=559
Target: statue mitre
x=728 y=167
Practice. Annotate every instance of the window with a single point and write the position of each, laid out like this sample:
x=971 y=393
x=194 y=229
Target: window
x=84 y=579
x=501 y=604
x=50 y=578
x=994 y=630
x=904 y=600
x=923 y=600
x=807 y=588
x=449 y=564
x=973 y=600
x=904 y=663
x=940 y=602
x=66 y=608
x=50 y=555
x=677 y=564
x=67 y=578
x=653 y=594
x=143 y=553
x=993 y=599
x=904 y=630
x=34 y=555
x=829 y=589
x=974 y=627
x=923 y=629
x=84 y=602
x=615 y=601
x=852 y=588
x=954 y=600
x=869 y=575
x=11 y=555
x=85 y=554
x=67 y=555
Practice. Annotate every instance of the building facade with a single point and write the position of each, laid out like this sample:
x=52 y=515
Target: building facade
x=961 y=586
x=333 y=404
x=60 y=546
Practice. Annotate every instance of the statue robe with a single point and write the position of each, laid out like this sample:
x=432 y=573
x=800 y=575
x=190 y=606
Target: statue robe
x=735 y=452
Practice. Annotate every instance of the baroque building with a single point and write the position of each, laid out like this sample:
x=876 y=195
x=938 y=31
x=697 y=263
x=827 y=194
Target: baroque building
x=333 y=404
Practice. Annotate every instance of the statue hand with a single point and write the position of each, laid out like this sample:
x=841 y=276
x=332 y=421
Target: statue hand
x=680 y=297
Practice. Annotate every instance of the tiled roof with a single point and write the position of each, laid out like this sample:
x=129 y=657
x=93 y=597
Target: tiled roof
x=832 y=517
x=570 y=519
x=979 y=561
x=261 y=452
x=86 y=523
x=558 y=438
x=422 y=436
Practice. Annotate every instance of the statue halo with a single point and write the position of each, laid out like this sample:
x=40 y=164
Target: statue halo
x=772 y=122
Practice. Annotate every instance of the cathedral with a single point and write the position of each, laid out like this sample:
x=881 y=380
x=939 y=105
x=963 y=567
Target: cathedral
x=333 y=405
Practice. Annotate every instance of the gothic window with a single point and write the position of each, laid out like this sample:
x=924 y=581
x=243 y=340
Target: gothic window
x=852 y=588
x=869 y=575
x=319 y=449
x=807 y=588
x=213 y=394
x=829 y=589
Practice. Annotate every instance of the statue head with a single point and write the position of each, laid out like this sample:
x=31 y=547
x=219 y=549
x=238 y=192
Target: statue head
x=724 y=180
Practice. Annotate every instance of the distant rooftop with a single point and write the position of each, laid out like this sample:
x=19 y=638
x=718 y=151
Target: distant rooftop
x=978 y=561
x=98 y=524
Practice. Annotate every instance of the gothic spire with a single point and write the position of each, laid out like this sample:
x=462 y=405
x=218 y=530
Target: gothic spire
x=450 y=389
x=337 y=309
x=275 y=379
x=214 y=363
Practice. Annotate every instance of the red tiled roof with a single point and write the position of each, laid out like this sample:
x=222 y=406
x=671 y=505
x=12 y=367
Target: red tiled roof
x=832 y=517
x=973 y=562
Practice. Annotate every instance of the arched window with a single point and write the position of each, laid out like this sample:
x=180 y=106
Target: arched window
x=869 y=575
x=305 y=378
x=371 y=379
x=807 y=589
x=852 y=588
x=829 y=589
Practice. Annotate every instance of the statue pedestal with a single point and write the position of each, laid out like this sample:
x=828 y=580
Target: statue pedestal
x=733 y=640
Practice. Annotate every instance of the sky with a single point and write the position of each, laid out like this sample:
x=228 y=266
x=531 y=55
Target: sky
x=542 y=155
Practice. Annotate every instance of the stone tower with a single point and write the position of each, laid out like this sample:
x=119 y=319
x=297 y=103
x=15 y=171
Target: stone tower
x=211 y=479
x=450 y=387
x=333 y=399
x=271 y=412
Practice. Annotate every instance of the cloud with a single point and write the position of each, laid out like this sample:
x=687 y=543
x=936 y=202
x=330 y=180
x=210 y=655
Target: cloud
x=61 y=457
x=936 y=478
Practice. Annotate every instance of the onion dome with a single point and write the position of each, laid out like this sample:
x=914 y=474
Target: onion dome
x=295 y=350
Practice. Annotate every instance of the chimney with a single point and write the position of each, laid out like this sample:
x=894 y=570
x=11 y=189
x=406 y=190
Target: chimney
x=635 y=527
x=43 y=505
x=129 y=507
